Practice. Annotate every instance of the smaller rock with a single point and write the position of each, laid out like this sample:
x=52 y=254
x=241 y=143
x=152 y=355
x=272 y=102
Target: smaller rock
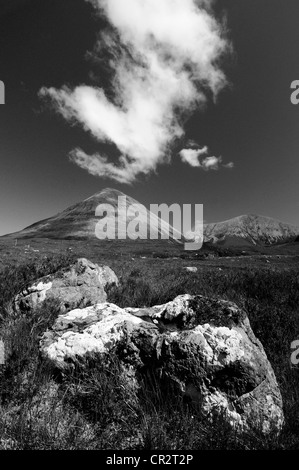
x=79 y=285
x=191 y=269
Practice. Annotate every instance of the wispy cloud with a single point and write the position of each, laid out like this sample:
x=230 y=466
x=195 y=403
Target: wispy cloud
x=229 y=165
x=197 y=157
x=164 y=57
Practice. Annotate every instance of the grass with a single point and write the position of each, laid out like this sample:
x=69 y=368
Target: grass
x=41 y=409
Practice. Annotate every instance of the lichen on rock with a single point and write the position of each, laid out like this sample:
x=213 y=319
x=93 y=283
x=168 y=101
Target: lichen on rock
x=205 y=347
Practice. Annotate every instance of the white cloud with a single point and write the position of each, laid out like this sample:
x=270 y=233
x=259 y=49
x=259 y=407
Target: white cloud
x=229 y=165
x=164 y=56
x=192 y=156
x=211 y=163
x=195 y=158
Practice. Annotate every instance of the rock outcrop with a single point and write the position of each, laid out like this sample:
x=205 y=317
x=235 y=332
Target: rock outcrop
x=79 y=285
x=203 y=347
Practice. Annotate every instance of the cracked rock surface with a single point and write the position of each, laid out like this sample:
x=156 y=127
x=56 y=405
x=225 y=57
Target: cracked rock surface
x=204 y=347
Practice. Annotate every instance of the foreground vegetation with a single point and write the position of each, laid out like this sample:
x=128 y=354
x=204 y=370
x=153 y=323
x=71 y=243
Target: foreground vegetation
x=41 y=409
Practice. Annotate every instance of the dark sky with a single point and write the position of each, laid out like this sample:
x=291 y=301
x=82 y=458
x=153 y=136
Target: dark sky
x=253 y=124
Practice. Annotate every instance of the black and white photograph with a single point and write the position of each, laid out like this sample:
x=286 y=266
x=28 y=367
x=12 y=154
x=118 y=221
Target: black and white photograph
x=149 y=228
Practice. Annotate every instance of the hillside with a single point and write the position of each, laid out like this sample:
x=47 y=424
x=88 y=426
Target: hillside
x=79 y=221
x=250 y=230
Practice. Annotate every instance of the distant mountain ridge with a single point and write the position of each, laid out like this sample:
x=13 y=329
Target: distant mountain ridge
x=79 y=222
x=250 y=229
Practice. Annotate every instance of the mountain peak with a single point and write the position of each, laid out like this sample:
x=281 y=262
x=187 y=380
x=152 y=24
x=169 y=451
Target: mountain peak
x=250 y=228
x=109 y=193
x=79 y=221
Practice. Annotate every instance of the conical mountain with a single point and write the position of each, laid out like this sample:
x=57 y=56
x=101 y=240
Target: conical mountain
x=79 y=221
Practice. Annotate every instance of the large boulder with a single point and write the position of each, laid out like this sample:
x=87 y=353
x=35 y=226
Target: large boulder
x=203 y=347
x=79 y=285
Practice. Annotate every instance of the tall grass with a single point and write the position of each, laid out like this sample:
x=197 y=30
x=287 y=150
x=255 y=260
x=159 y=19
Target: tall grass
x=93 y=408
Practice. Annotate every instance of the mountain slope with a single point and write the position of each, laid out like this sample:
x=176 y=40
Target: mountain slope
x=79 y=221
x=250 y=230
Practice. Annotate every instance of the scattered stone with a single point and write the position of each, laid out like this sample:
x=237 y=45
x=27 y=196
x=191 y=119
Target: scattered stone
x=191 y=269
